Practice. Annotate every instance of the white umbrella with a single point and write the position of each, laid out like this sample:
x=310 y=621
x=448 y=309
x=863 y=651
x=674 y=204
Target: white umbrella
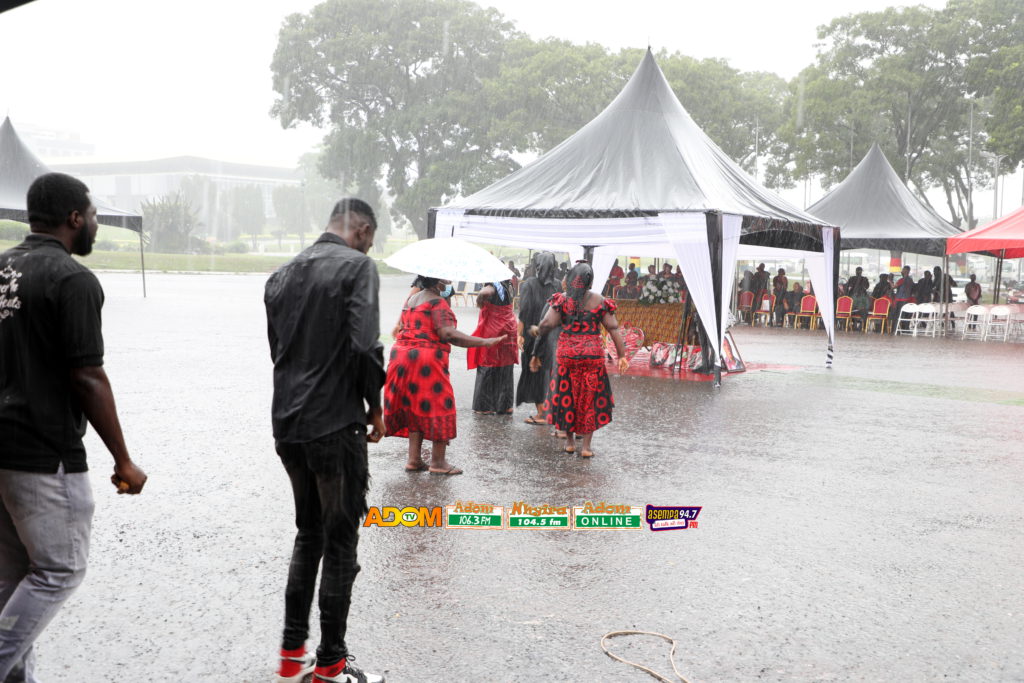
x=449 y=258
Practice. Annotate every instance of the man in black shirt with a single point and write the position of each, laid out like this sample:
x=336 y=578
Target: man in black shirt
x=51 y=381
x=323 y=322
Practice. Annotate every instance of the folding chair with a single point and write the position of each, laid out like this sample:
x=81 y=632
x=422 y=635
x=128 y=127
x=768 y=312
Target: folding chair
x=907 y=324
x=927 y=320
x=460 y=293
x=974 y=322
x=997 y=324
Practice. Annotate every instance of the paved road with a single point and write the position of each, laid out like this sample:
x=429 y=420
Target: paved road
x=862 y=523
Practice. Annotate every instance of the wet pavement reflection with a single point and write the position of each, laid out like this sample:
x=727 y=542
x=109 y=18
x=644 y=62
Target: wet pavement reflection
x=859 y=523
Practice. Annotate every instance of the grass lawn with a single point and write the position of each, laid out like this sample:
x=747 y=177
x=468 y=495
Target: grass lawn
x=195 y=263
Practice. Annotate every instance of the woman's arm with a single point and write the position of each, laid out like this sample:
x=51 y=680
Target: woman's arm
x=450 y=335
x=611 y=323
x=552 y=320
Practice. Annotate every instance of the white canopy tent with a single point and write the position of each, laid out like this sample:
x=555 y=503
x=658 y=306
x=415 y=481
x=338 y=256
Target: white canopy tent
x=643 y=179
x=680 y=235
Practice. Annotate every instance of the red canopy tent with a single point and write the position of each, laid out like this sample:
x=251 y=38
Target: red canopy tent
x=1003 y=238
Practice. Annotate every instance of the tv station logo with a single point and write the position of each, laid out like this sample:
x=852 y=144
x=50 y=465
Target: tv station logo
x=470 y=515
x=668 y=517
x=605 y=516
x=524 y=516
x=406 y=516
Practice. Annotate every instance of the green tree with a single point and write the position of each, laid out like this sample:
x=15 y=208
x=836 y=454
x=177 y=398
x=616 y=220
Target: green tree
x=398 y=82
x=247 y=213
x=291 y=211
x=169 y=220
x=909 y=78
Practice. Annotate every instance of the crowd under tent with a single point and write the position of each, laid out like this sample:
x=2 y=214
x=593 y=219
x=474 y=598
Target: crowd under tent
x=877 y=211
x=1003 y=238
x=19 y=167
x=643 y=179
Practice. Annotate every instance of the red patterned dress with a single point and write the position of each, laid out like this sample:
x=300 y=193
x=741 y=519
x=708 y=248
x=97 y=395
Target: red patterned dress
x=581 y=395
x=418 y=393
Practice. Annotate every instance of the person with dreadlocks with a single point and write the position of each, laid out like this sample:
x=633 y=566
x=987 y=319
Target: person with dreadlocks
x=493 y=392
x=581 y=394
x=533 y=295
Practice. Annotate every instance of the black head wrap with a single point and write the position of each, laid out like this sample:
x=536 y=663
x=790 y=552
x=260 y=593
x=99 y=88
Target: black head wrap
x=577 y=286
x=547 y=269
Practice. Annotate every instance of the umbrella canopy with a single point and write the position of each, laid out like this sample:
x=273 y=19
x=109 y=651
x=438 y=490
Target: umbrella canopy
x=1006 y=233
x=449 y=259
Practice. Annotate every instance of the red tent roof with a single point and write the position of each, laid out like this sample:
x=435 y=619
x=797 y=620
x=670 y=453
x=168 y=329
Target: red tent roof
x=1006 y=233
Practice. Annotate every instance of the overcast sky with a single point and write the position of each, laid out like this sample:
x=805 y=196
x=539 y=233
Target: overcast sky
x=144 y=80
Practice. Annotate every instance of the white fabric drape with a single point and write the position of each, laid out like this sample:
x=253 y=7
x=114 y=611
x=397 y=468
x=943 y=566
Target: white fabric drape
x=685 y=233
x=604 y=257
x=688 y=235
x=731 y=228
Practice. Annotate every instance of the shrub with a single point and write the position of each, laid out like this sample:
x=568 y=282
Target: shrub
x=236 y=248
x=106 y=245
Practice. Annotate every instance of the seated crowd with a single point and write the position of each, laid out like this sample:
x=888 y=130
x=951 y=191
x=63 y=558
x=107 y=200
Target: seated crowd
x=787 y=302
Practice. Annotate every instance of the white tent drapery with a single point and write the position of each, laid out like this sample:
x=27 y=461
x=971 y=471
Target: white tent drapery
x=682 y=235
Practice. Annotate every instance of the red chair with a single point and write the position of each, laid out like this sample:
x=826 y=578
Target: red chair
x=844 y=311
x=880 y=313
x=808 y=309
x=746 y=303
x=766 y=309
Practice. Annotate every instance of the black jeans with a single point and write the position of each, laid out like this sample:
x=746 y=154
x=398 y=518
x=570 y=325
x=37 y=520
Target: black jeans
x=329 y=479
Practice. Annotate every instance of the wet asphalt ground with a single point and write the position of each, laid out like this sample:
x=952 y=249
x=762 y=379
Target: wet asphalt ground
x=859 y=524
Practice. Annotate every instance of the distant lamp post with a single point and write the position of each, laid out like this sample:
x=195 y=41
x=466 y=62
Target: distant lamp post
x=995 y=184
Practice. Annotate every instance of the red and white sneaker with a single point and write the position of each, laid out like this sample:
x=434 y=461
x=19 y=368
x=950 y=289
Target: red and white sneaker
x=295 y=665
x=344 y=672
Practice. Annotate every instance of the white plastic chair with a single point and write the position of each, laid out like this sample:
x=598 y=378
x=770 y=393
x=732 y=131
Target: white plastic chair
x=908 y=315
x=954 y=314
x=928 y=319
x=974 y=322
x=1016 y=330
x=997 y=324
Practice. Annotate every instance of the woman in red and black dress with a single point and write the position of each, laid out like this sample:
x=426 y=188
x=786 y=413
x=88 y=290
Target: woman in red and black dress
x=418 y=399
x=581 y=395
x=494 y=388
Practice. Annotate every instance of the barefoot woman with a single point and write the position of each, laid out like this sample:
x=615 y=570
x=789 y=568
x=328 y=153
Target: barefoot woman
x=581 y=395
x=418 y=399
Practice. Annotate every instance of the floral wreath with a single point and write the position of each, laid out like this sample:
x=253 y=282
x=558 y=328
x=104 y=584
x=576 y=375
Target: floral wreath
x=660 y=291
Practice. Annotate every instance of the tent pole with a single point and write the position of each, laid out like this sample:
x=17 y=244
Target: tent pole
x=683 y=330
x=715 y=238
x=999 y=277
x=944 y=314
x=142 y=260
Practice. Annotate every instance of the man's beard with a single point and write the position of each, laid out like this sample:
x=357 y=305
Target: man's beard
x=82 y=244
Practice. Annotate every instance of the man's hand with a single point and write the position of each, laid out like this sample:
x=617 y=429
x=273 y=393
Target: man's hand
x=623 y=364
x=534 y=331
x=128 y=478
x=376 y=432
x=520 y=341
x=535 y=364
x=494 y=341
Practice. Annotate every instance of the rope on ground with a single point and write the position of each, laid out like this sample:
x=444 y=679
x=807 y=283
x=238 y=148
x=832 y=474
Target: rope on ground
x=652 y=672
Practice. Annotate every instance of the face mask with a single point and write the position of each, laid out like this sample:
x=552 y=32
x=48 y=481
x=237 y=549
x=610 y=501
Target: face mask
x=447 y=291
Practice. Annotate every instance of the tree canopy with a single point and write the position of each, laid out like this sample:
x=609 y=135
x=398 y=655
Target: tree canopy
x=425 y=100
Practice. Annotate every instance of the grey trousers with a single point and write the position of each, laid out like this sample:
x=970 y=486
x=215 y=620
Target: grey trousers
x=45 y=523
